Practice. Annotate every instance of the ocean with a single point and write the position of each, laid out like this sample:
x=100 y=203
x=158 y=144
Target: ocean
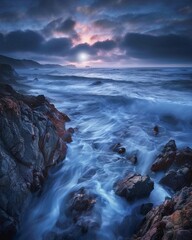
x=107 y=106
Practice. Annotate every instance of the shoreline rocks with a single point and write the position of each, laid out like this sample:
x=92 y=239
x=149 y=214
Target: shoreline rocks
x=170 y=220
x=177 y=165
x=32 y=139
x=134 y=186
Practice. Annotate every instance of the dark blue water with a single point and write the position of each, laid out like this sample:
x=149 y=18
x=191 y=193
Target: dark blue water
x=108 y=106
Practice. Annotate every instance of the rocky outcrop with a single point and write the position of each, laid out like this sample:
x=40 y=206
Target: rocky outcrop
x=177 y=165
x=134 y=186
x=8 y=74
x=166 y=158
x=32 y=139
x=171 y=220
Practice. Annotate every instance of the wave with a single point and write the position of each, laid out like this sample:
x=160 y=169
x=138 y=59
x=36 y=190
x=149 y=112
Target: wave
x=95 y=80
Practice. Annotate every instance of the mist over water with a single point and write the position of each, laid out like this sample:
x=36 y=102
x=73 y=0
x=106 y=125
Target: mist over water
x=108 y=106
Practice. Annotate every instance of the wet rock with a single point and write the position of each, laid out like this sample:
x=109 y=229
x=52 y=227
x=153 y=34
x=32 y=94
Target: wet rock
x=156 y=130
x=184 y=156
x=81 y=201
x=177 y=165
x=170 y=220
x=177 y=179
x=31 y=141
x=133 y=159
x=118 y=148
x=134 y=186
x=81 y=210
x=166 y=158
x=145 y=208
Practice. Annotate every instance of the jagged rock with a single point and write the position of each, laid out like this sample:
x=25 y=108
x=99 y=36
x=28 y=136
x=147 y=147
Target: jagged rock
x=170 y=220
x=32 y=139
x=166 y=158
x=177 y=164
x=134 y=186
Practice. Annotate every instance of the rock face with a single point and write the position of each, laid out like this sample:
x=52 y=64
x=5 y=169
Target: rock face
x=134 y=186
x=8 y=74
x=171 y=220
x=177 y=164
x=32 y=138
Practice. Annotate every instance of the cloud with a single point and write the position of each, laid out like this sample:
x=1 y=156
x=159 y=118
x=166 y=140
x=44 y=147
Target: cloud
x=31 y=41
x=23 y=41
x=56 y=46
x=167 y=48
x=67 y=25
x=60 y=25
x=105 y=45
x=104 y=23
x=50 y=8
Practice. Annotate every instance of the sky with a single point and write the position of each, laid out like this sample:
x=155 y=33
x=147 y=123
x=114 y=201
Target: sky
x=98 y=33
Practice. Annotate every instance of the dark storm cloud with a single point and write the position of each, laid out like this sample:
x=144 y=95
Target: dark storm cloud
x=61 y=25
x=169 y=48
x=30 y=41
x=56 y=46
x=7 y=17
x=23 y=41
x=67 y=25
x=105 y=45
x=51 y=8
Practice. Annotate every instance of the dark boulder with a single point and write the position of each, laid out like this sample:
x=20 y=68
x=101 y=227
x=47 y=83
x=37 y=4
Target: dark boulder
x=134 y=186
x=177 y=179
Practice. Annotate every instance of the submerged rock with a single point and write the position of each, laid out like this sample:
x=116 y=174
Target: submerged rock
x=118 y=148
x=133 y=159
x=170 y=220
x=81 y=202
x=80 y=213
x=134 y=186
x=32 y=139
x=156 y=130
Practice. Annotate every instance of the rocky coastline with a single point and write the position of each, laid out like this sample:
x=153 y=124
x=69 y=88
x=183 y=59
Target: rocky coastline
x=33 y=138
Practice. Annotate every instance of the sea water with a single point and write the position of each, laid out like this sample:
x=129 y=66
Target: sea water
x=108 y=106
